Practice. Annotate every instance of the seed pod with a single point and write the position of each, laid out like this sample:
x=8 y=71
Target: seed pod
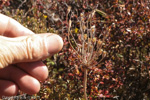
x=86 y=45
x=104 y=53
x=93 y=28
x=85 y=36
x=99 y=42
x=100 y=51
x=94 y=40
x=81 y=14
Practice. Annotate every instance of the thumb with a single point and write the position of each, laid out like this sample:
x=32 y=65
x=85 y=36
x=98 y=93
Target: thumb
x=28 y=48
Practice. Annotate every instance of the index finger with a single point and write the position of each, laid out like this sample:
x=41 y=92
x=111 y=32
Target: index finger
x=11 y=28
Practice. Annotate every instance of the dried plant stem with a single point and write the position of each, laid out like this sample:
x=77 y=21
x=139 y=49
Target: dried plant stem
x=85 y=83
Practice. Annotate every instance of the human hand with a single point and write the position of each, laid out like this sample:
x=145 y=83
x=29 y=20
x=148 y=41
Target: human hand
x=20 y=53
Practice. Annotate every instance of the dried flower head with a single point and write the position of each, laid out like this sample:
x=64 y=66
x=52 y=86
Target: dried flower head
x=87 y=40
x=94 y=40
x=85 y=36
x=90 y=45
x=93 y=28
x=99 y=42
x=100 y=51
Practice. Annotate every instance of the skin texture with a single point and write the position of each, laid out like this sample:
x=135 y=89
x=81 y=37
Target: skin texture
x=21 y=52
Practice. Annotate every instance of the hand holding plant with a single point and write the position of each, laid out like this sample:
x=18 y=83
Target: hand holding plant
x=20 y=54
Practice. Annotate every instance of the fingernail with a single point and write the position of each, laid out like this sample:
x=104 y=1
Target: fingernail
x=55 y=43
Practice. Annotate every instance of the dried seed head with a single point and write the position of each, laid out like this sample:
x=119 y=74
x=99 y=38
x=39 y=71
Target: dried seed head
x=94 y=40
x=81 y=14
x=85 y=36
x=82 y=17
x=86 y=45
x=104 y=53
x=100 y=51
x=93 y=28
x=99 y=42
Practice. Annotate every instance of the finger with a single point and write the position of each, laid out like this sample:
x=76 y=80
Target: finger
x=28 y=48
x=25 y=82
x=7 y=88
x=11 y=28
x=36 y=69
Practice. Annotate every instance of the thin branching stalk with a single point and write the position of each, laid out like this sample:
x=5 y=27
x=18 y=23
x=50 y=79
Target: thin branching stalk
x=85 y=47
x=85 y=83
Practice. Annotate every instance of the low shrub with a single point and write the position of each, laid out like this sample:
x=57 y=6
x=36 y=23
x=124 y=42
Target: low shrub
x=108 y=38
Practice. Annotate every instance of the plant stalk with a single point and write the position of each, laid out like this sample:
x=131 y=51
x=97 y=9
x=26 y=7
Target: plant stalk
x=85 y=83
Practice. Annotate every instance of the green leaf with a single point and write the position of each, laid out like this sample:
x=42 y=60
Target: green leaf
x=60 y=69
x=101 y=13
x=119 y=55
